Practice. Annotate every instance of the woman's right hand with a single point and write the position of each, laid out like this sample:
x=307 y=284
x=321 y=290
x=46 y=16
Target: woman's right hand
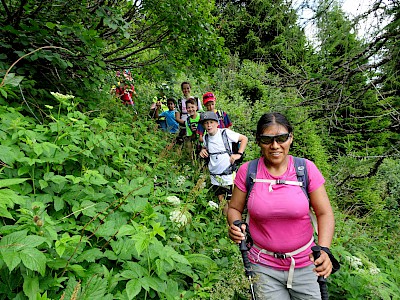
x=236 y=234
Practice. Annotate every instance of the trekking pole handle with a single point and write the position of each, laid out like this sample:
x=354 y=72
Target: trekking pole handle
x=316 y=250
x=247 y=267
x=242 y=245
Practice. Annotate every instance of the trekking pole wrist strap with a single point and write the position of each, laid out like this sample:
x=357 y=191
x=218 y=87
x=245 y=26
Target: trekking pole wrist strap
x=334 y=261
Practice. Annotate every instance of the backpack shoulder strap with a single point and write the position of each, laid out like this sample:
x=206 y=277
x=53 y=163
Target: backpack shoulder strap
x=205 y=136
x=251 y=175
x=220 y=115
x=226 y=142
x=180 y=106
x=302 y=175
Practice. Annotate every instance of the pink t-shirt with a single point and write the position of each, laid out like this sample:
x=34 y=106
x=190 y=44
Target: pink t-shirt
x=279 y=220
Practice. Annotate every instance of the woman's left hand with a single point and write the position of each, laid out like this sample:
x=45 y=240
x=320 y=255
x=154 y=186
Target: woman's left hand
x=323 y=265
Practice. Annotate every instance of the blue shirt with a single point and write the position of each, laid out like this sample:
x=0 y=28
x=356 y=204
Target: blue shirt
x=172 y=124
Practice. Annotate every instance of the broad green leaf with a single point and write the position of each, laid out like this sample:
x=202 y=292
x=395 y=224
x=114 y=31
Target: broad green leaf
x=3 y=92
x=110 y=255
x=60 y=248
x=50 y=25
x=12 y=259
x=137 y=269
x=126 y=230
x=31 y=287
x=58 y=179
x=5 y=213
x=88 y=208
x=13 y=80
x=128 y=274
x=38 y=149
x=158 y=229
x=23 y=170
x=133 y=288
x=96 y=288
x=155 y=283
x=34 y=240
x=101 y=121
x=142 y=241
x=10 y=195
x=34 y=260
x=201 y=260
x=90 y=255
x=79 y=270
x=13 y=241
x=163 y=267
x=74 y=179
x=135 y=204
x=58 y=203
x=7 y=154
x=6 y=197
x=144 y=190
x=43 y=184
x=12 y=181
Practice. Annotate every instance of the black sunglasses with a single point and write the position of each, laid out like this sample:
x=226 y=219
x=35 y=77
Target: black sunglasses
x=269 y=139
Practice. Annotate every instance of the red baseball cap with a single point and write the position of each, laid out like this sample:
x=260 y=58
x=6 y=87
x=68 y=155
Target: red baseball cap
x=207 y=97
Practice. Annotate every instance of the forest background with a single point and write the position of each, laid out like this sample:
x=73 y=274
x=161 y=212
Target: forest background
x=96 y=203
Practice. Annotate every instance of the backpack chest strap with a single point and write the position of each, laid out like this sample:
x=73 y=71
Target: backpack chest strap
x=272 y=182
x=217 y=153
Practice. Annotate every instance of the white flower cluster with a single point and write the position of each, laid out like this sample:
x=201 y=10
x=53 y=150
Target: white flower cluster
x=174 y=200
x=61 y=97
x=374 y=270
x=176 y=238
x=212 y=204
x=216 y=250
x=178 y=217
x=180 y=180
x=354 y=261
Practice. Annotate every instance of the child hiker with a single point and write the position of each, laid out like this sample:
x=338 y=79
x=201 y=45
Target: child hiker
x=182 y=114
x=223 y=118
x=171 y=124
x=221 y=160
x=191 y=124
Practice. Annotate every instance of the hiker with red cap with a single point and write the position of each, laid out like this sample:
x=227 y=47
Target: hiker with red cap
x=223 y=118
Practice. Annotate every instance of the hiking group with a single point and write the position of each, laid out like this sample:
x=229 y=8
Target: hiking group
x=206 y=135
x=282 y=197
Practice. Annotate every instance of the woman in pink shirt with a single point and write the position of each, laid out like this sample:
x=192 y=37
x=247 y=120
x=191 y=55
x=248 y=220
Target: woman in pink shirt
x=279 y=220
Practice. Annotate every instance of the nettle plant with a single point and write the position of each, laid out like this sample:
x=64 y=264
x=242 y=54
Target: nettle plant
x=97 y=209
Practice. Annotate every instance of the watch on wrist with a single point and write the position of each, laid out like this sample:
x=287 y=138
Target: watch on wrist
x=240 y=153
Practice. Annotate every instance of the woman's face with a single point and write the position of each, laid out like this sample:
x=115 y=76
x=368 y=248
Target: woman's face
x=275 y=153
x=186 y=90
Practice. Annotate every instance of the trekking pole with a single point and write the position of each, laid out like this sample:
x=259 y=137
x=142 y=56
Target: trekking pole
x=247 y=268
x=316 y=250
